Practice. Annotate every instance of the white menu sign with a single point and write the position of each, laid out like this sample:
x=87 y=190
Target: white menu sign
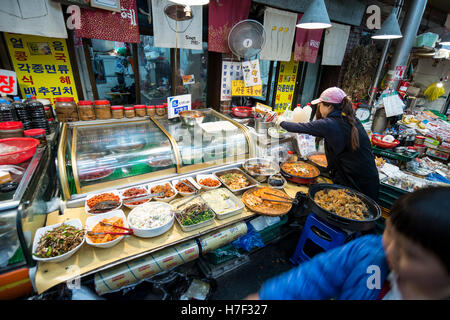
x=252 y=76
x=231 y=70
x=176 y=104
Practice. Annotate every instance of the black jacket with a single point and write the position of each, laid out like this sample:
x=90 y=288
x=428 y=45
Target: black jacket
x=354 y=169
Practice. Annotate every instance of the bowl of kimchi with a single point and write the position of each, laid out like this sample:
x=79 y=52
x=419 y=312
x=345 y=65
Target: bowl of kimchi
x=115 y=218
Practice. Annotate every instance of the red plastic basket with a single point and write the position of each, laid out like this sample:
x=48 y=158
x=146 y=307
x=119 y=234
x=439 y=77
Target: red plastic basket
x=376 y=140
x=242 y=112
x=27 y=149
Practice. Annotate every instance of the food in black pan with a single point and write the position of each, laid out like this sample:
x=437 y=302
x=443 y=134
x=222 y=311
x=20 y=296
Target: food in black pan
x=342 y=203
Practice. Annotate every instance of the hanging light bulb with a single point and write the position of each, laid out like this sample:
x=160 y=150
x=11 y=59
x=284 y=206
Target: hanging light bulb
x=390 y=29
x=191 y=2
x=315 y=17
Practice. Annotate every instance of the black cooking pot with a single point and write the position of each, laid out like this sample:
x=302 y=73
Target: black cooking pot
x=374 y=211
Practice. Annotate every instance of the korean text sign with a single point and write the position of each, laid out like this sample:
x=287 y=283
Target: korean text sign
x=176 y=104
x=8 y=82
x=42 y=66
x=286 y=85
x=238 y=88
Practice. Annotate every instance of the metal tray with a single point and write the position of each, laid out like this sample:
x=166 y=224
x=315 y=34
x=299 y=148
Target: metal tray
x=233 y=198
x=253 y=182
x=195 y=226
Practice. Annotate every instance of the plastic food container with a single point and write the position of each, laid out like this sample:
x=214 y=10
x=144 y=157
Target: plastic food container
x=92 y=221
x=38 y=134
x=129 y=112
x=151 y=111
x=200 y=177
x=11 y=129
x=89 y=196
x=27 y=148
x=150 y=186
x=242 y=112
x=419 y=140
x=103 y=109
x=117 y=112
x=48 y=112
x=160 y=110
x=42 y=231
x=376 y=140
x=202 y=224
x=140 y=110
x=239 y=205
x=66 y=109
x=143 y=194
x=192 y=181
x=86 y=110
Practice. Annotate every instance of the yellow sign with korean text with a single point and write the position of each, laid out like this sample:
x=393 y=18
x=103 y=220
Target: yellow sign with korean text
x=238 y=88
x=287 y=77
x=42 y=66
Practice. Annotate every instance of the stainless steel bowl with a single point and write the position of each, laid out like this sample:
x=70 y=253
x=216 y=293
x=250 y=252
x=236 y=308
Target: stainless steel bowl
x=271 y=168
x=191 y=117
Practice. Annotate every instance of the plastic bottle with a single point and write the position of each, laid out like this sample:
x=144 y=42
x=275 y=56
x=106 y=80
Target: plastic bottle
x=35 y=110
x=22 y=114
x=7 y=112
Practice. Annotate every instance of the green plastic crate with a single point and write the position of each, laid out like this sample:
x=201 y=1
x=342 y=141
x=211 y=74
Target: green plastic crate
x=228 y=251
x=393 y=155
x=388 y=195
x=273 y=231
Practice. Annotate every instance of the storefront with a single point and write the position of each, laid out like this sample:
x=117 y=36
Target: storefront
x=155 y=117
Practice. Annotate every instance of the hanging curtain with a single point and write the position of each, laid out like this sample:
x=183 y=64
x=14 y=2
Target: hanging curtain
x=109 y=25
x=280 y=30
x=223 y=15
x=335 y=44
x=307 y=43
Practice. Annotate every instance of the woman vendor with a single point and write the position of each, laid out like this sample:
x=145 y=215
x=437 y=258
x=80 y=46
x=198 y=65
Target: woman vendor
x=347 y=147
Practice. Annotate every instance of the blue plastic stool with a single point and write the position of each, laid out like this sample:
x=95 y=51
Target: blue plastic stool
x=317 y=236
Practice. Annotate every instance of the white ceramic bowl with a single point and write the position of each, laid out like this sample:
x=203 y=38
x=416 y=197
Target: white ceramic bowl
x=131 y=206
x=149 y=188
x=186 y=194
x=89 y=196
x=152 y=232
x=92 y=221
x=41 y=231
x=204 y=176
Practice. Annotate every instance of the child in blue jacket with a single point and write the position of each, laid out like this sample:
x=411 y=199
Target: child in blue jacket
x=411 y=260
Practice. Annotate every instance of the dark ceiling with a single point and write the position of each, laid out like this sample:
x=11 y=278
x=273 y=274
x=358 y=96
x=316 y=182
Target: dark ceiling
x=442 y=5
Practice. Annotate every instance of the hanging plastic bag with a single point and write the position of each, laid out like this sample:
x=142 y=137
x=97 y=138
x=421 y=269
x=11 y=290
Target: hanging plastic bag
x=250 y=240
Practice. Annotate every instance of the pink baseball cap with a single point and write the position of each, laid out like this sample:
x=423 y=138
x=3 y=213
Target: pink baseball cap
x=331 y=95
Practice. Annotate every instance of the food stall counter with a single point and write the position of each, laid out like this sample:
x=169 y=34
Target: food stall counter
x=89 y=260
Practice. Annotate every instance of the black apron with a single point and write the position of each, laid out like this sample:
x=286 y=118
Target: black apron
x=354 y=169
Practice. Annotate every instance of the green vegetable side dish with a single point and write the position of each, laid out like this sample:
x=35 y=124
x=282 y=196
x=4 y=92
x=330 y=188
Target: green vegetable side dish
x=195 y=214
x=59 y=241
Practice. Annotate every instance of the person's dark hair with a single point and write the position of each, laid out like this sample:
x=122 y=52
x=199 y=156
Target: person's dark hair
x=346 y=107
x=424 y=217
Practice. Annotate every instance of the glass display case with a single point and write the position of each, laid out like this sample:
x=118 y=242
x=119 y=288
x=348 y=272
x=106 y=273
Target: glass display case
x=24 y=210
x=98 y=155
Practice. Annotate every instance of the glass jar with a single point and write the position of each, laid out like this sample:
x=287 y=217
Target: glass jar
x=140 y=110
x=165 y=107
x=102 y=109
x=160 y=110
x=129 y=112
x=38 y=134
x=11 y=129
x=66 y=109
x=48 y=112
x=86 y=110
x=151 y=111
x=117 y=112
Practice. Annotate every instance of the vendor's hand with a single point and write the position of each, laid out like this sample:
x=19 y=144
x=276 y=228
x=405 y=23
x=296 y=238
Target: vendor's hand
x=253 y=296
x=279 y=120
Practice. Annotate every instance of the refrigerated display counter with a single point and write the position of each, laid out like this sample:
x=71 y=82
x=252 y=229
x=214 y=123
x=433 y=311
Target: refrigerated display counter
x=96 y=156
